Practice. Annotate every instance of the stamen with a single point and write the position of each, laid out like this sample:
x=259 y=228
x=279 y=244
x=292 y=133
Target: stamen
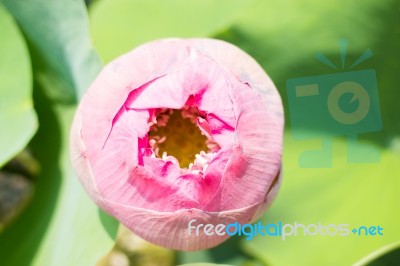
x=177 y=134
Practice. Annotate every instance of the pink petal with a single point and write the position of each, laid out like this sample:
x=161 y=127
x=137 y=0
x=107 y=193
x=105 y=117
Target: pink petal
x=154 y=197
x=170 y=229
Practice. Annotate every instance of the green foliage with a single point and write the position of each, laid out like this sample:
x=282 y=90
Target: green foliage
x=58 y=36
x=284 y=37
x=204 y=264
x=17 y=118
x=63 y=227
x=229 y=252
x=118 y=26
x=387 y=255
x=354 y=194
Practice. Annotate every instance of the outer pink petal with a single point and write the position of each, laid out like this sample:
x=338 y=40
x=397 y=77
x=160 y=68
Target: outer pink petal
x=170 y=229
x=246 y=69
x=109 y=91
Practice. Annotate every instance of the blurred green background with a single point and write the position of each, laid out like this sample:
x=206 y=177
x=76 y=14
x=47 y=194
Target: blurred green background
x=50 y=52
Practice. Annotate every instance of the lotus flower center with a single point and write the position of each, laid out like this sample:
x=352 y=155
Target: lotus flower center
x=175 y=135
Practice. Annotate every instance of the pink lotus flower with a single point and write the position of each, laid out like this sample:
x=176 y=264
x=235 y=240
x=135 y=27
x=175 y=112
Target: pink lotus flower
x=123 y=124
